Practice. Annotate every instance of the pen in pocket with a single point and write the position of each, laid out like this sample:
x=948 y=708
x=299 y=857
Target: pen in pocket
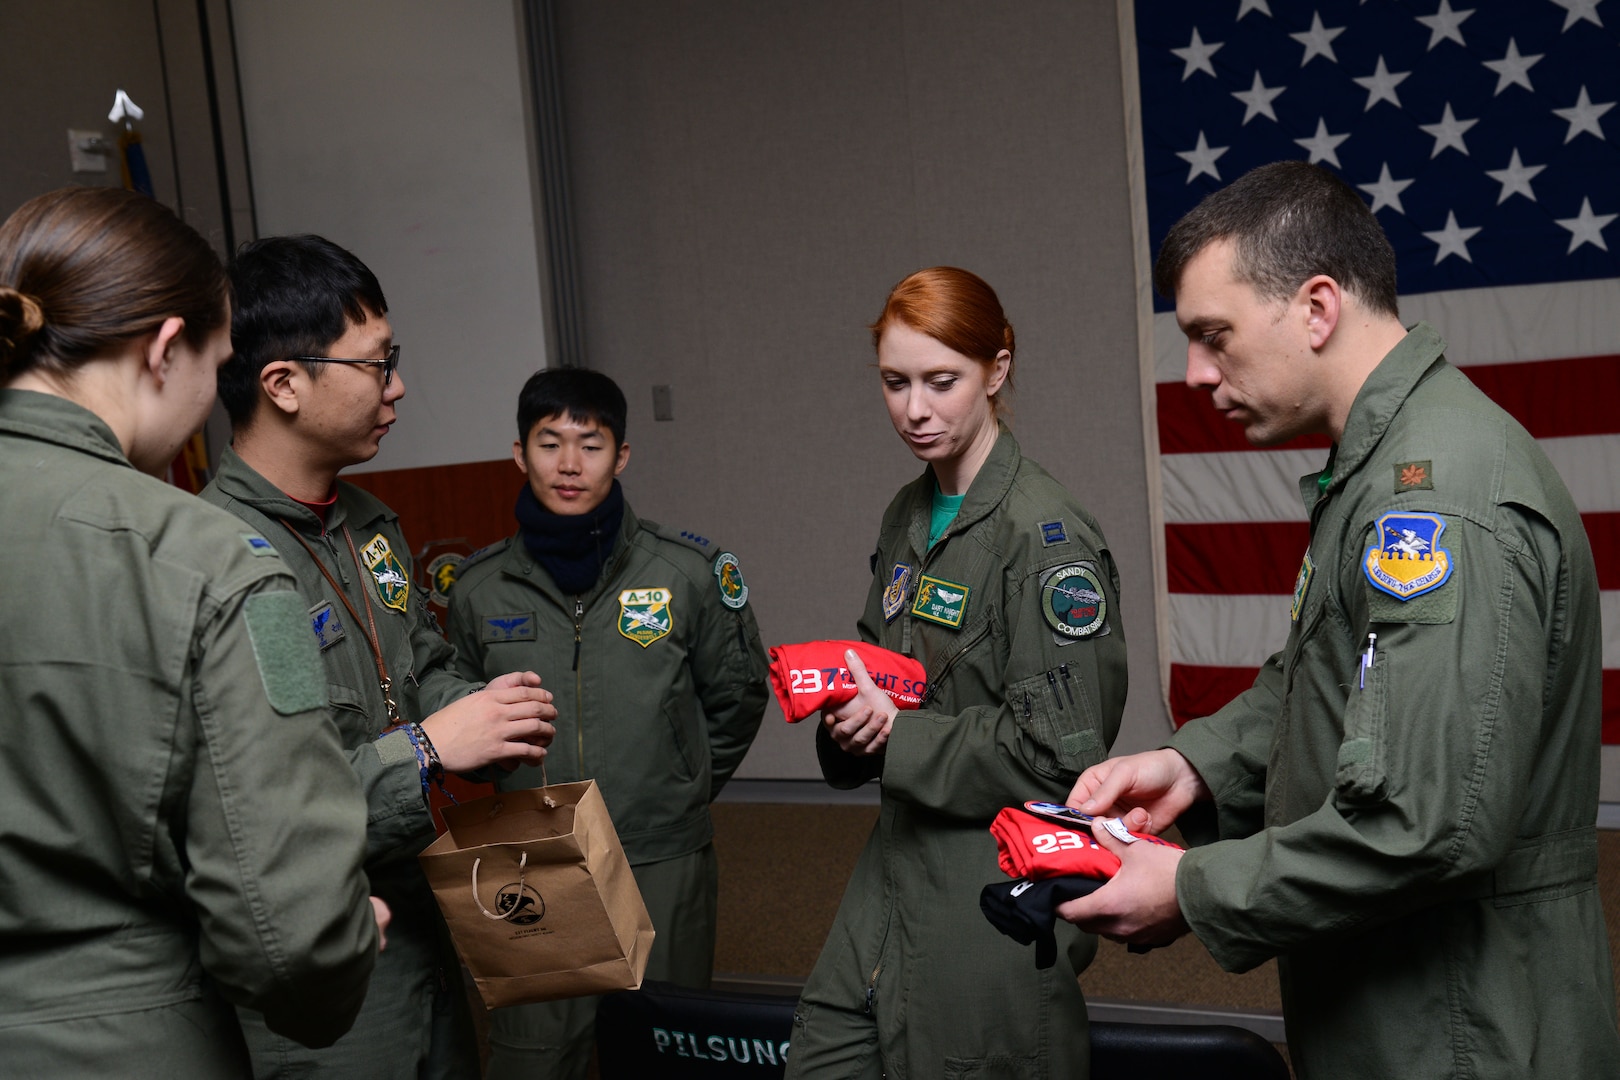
x=1367 y=659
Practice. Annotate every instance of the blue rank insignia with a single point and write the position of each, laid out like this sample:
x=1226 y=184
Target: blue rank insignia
x=517 y=626
x=323 y=619
x=1407 y=560
x=894 y=597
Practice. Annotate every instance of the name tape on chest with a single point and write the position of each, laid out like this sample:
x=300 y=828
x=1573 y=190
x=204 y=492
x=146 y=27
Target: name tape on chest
x=1302 y=585
x=515 y=626
x=645 y=615
x=393 y=585
x=941 y=601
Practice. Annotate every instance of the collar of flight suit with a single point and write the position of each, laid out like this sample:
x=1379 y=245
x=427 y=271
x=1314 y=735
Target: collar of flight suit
x=521 y=564
x=990 y=485
x=243 y=483
x=1411 y=361
x=53 y=419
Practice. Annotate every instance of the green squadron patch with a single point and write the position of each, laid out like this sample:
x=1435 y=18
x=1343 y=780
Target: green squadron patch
x=442 y=573
x=644 y=615
x=940 y=601
x=1072 y=600
x=1302 y=585
x=728 y=575
x=393 y=587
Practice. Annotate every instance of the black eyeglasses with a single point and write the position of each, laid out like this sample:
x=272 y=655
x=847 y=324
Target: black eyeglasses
x=388 y=363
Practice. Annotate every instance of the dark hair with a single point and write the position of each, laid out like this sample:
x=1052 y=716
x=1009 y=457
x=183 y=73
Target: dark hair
x=1289 y=221
x=582 y=395
x=83 y=270
x=295 y=296
x=956 y=308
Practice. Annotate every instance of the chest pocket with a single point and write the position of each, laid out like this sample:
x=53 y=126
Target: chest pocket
x=1055 y=710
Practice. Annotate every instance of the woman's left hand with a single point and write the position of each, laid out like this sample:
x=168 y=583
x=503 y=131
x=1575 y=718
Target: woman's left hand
x=861 y=725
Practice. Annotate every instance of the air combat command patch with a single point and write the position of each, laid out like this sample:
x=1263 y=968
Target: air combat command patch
x=1072 y=600
x=1406 y=559
x=894 y=595
x=644 y=615
x=733 y=590
x=393 y=586
x=940 y=601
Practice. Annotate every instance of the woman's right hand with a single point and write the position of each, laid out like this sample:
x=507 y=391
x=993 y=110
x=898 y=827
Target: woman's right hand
x=861 y=725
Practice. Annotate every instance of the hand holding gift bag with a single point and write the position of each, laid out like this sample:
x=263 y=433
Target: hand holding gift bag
x=539 y=896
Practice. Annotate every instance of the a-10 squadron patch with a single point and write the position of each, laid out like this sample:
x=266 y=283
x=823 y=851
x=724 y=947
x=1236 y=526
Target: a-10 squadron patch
x=644 y=615
x=393 y=584
x=1073 y=601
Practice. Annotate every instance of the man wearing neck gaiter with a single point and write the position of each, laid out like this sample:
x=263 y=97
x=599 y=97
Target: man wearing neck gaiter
x=645 y=636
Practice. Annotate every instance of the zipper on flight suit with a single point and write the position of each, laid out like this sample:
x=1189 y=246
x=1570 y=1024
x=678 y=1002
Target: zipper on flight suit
x=579 y=686
x=870 y=1006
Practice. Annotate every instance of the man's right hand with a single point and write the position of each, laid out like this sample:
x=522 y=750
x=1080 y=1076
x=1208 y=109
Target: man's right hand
x=508 y=722
x=1160 y=782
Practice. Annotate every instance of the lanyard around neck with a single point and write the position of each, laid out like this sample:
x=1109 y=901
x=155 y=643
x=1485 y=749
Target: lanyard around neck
x=384 y=683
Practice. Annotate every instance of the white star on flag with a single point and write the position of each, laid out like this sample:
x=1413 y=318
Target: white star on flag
x=1253 y=5
x=1445 y=24
x=1586 y=227
x=1582 y=116
x=1257 y=99
x=1318 y=40
x=1323 y=147
x=1448 y=132
x=1197 y=55
x=1578 y=10
x=1202 y=158
x=1515 y=179
x=1381 y=84
x=1453 y=240
x=1386 y=191
x=1513 y=68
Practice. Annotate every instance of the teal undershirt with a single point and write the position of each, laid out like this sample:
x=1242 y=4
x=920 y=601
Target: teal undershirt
x=944 y=512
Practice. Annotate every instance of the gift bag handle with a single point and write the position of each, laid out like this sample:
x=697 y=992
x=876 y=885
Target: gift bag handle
x=488 y=914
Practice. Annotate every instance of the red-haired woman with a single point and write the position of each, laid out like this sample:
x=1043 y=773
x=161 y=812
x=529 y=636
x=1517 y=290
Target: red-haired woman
x=996 y=579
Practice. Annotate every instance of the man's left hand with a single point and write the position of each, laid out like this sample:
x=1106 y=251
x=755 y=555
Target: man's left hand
x=1138 y=905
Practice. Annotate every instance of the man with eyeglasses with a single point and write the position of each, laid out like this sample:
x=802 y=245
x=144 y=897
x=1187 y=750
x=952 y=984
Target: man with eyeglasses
x=311 y=390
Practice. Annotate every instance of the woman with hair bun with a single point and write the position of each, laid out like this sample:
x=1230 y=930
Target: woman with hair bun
x=992 y=576
x=158 y=859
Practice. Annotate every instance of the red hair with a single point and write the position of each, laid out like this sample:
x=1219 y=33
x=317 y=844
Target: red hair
x=956 y=308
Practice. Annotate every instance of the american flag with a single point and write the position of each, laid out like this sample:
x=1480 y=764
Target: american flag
x=1485 y=135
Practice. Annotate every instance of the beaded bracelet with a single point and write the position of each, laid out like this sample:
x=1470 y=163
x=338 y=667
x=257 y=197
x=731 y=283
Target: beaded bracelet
x=430 y=767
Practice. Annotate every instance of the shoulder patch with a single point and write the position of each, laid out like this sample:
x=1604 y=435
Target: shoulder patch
x=259 y=545
x=1073 y=601
x=485 y=552
x=728 y=576
x=691 y=539
x=289 y=665
x=1406 y=559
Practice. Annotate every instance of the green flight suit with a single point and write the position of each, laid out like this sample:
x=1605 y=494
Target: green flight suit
x=158 y=859
x=914 y=981
x=1415 y=841
x=658 y=699
x=415 y=1016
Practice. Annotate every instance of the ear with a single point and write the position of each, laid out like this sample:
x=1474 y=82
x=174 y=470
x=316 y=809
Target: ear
x=623 y=459
x=1324 y=303
x=158 y=350
x=998 y=373
x=517 y=457
x=280 y=381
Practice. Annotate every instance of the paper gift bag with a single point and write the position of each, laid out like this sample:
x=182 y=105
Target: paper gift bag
x=540 y=899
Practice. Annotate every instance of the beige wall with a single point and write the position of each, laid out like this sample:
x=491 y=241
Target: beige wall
x=397 y=129
x=749 y=181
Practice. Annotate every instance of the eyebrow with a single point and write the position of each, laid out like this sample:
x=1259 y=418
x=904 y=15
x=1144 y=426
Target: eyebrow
x=593 y=433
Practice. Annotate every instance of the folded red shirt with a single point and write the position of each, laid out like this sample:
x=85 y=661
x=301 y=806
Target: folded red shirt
x=812 y=676
x=1029 y=845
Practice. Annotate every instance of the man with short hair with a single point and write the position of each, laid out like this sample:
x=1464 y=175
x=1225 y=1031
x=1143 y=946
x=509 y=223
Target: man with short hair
x=648 y=639
x=311 y=390
x=1404 y=802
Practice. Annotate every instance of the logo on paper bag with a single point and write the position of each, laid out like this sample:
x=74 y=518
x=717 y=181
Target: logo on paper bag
x=524 y=900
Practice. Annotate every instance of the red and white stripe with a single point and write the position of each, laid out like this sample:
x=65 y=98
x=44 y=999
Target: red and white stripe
x=1234 y=527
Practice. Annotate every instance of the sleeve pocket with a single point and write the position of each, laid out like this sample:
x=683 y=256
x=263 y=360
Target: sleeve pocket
x=1362 y=778
x=1058 y=720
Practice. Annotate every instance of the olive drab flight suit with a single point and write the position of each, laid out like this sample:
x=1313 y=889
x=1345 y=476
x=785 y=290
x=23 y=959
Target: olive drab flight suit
x=158 y=860
x=1014 y=612
x=416 y=1013
x=1415 y=839
x=658 y=676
